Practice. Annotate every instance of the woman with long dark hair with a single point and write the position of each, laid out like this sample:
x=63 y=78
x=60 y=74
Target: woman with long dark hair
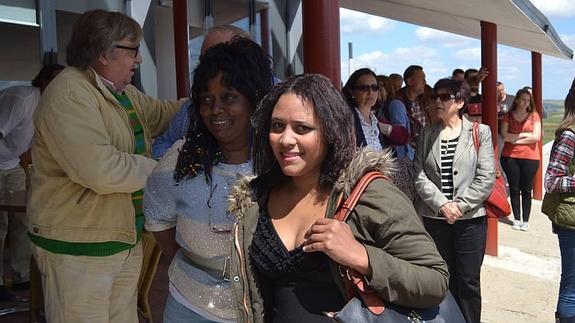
x=559 y=179
x=287 y=244
x=521 y=131
x=186 y=196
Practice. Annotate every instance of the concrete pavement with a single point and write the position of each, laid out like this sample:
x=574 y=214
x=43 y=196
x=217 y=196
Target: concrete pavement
x=521 y=284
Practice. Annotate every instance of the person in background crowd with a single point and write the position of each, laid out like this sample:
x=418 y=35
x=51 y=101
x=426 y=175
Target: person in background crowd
x=179 y=125
x=410 y=95
x=521 y=132
x=559 y=179
x=393 y=111
x=473 y=108
x=429 y=104
x=452 y=180
x=91 y=153
x=286 y=242
x=185 y=198
x=397 y=80
x=361 y=92
x=504 y=101
x=17 y=106
x=458 y=75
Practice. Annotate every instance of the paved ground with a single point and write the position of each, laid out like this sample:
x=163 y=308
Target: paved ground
x=520 y=285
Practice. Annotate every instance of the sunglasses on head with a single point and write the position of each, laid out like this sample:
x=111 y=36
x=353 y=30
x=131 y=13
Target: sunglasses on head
x=365 y=87
x=443 y=97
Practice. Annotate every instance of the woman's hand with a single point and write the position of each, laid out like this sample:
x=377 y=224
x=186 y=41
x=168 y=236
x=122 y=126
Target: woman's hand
x=451 y=212
x=336 y=240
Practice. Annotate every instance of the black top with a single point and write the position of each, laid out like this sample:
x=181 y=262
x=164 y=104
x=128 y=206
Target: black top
x=296 y=286
x=447 y=154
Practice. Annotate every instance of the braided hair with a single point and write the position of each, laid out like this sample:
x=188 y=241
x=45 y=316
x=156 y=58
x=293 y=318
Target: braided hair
x=244 y=66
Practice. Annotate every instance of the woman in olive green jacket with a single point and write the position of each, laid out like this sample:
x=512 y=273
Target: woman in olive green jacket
x=287 y=245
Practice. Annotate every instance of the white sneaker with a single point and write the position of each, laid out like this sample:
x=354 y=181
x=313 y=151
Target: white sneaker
x=517 y=225
x=525 y=226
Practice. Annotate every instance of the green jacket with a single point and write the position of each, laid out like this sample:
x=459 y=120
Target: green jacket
x=406 y=266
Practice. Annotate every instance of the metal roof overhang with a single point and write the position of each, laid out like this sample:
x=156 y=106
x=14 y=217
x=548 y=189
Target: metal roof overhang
x=519 y=23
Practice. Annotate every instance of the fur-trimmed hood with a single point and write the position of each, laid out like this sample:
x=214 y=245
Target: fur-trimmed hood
x=242 y=195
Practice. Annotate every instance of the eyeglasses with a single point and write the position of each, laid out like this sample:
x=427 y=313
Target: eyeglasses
x=367 y=87
x=135 y=49
x=443 y=97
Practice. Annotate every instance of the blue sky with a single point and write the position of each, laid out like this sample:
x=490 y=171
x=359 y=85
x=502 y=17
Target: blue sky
x=389 y=46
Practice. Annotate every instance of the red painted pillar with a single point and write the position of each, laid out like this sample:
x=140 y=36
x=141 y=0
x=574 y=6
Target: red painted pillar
x=265 y=29
x=537 y=85
x=180 y=12
x=321 y=39
x=489 y=109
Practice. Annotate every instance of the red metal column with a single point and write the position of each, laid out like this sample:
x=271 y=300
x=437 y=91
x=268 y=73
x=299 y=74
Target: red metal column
x=489 y=109
x=265 y=29
x=537 y=85
x=180 y=12
x=321 y=39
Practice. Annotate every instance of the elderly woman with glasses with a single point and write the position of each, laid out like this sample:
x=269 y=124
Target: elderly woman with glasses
x=92 y=156
x=453 y=179
x=186 y=195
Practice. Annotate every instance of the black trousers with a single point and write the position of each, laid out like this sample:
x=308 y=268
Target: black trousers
x=462 y=246
x=520 y=174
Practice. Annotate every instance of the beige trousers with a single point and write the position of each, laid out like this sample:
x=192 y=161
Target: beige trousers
x=13 y=187
x=80 y=289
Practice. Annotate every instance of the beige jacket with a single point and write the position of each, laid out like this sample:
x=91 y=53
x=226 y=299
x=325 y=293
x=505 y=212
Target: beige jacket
x=84 y=169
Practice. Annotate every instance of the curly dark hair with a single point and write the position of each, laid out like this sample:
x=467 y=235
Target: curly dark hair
x=336 y=125
x=243 y=66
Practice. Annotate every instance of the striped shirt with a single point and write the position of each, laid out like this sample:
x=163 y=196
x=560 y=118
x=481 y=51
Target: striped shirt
x=447 y=153
x=558 y=177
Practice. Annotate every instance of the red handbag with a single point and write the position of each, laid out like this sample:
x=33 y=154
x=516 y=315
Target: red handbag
x=496 y=205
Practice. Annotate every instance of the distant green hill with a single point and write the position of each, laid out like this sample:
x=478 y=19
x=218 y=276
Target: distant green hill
x=553 y=106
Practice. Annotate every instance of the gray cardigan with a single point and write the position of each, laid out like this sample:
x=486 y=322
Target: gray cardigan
x=473 y=172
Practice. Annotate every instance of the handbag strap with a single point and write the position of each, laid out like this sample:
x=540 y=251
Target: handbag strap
x=345 y=209
x=476 y=141
x=477 y=144
x=354 y=282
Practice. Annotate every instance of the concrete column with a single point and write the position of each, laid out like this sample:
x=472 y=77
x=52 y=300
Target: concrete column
x=537 y=85
x=489 y=110
x=46 y=16
x=321 y=39
x=181 y=48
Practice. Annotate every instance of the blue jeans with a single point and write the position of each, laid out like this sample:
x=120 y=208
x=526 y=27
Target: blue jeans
x=175 y=312
x=566 y=302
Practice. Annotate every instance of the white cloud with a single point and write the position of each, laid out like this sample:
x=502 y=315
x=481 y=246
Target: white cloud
x=469 y=54
x=354 y=22
x=398 y=60
x=441 y=38
x=556 y=8
x=568 y=39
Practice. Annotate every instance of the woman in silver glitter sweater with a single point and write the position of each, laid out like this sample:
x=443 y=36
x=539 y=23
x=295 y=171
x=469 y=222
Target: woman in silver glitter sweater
x=185 y=197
